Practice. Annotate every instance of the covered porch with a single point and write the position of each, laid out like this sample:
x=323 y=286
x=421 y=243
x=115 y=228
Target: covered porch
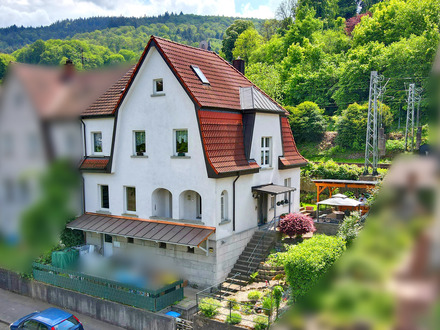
x=267 y=199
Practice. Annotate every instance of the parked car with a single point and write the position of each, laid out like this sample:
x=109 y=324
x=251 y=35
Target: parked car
x=49 y=319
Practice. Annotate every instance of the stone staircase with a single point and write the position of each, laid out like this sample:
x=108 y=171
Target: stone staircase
x=249 y=261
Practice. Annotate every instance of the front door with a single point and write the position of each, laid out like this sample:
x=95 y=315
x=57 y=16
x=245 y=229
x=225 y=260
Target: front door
x=262 y=209
x=108 y=245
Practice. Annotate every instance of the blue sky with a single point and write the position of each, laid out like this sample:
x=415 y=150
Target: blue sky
x=44 y=12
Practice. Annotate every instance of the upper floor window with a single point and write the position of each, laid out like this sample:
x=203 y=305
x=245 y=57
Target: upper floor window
x=181 y=142
x=139 y=143
x=97 y=142
x=224 y=205
x=266 y=151
x=105 y=202
x=130 y=202
x=158 y=86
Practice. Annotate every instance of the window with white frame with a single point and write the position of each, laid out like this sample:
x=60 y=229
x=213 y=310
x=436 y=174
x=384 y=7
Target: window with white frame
x=97 y=142
x=158 y=86
x=224 y=205
x=105 y=201
x=287 y=183
x=181 y=142
x=266 y=151
x=139 y=144
x=130 y=199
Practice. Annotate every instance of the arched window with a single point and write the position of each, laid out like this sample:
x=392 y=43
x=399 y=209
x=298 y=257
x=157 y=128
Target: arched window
x=224 y=205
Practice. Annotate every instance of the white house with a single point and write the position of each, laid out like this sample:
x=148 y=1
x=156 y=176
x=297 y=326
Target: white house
x=39 y=122
x=181 y=156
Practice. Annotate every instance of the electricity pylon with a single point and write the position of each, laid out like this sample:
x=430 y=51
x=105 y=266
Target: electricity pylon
x=371 y=144
x=409 y=130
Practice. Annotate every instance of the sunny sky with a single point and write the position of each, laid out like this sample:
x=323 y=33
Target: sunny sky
x=45 y=12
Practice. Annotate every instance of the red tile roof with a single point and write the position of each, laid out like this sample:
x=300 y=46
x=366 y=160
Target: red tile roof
x=94 y=164
x=222 y=135
x=54 y=97
x=106 y=103
x=291 y=157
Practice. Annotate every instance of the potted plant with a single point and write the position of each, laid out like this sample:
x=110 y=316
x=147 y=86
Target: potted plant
x=182 y=149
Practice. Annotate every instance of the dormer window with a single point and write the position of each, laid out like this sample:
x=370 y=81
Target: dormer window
x=158 y=87
x=200 y=74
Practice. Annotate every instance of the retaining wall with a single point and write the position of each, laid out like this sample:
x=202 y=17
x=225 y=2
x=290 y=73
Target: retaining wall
x=117 y=314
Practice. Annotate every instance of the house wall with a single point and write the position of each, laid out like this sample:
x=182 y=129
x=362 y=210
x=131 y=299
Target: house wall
x=22 y=154
x=103 y=125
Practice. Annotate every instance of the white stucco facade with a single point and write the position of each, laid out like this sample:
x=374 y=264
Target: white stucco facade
x=175 y=188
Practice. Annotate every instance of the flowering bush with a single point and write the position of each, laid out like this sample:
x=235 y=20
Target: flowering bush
x=297 y=224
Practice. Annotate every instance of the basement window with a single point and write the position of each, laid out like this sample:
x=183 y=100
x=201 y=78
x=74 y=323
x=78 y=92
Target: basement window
x=200 y=74
x=162 y=245
x=190 y=249
x=130 y=240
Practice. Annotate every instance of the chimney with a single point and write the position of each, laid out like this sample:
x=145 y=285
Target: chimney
x=68 y=70
x=238 y=63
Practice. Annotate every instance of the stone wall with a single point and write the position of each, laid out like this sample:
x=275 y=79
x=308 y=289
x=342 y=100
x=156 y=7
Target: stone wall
x=114 y=313
x=330 y=229
x=203 y=323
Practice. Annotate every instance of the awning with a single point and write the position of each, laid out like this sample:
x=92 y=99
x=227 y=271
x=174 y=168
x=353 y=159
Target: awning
x=150 y=230
x=337 y=201
x=273 y=189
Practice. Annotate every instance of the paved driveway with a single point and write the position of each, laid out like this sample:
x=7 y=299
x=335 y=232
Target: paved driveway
x=14 y=306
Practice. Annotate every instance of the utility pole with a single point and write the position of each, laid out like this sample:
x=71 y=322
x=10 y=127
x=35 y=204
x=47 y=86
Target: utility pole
x=371 y=143
x=410 y=117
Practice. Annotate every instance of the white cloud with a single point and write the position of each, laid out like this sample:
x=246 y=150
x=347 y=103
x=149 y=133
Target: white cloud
x=43 y=12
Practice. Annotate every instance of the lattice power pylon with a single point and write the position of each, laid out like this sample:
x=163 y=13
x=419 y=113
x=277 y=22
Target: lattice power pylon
x=409 y=130
x=371 y=144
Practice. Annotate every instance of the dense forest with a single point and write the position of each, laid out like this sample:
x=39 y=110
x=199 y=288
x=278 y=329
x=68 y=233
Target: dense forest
x=315 y=58
x=181 y=27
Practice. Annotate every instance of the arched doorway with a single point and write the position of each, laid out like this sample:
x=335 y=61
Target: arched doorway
x=162 y=205
x=190 y=205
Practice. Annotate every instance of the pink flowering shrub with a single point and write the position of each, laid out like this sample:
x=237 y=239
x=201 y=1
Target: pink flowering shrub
x=296 y=224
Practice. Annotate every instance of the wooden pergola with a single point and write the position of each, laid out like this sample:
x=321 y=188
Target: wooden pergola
x=331 y=184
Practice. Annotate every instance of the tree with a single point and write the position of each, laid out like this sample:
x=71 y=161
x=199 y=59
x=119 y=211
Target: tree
x=246 y=44
x=287 y=9
x=307 y=122
x=348 y=8
x=296 y=224
x=231 y=35
x=266 y=77
x=4 y=63
x=323 y=9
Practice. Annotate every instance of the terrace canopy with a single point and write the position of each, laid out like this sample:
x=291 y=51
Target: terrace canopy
x=338 y=201
x=332 y=184
x=145 y=229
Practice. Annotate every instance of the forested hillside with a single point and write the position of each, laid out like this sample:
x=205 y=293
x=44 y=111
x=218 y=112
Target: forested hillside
x=181 y=27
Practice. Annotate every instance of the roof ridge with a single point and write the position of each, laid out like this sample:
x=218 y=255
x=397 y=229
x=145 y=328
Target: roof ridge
x=177 y=43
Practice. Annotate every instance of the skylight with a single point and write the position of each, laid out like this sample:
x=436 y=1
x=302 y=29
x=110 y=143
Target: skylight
x=200 y=74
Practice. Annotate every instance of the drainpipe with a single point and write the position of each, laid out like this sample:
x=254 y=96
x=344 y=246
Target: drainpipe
x=233 y=201
x=82 y=176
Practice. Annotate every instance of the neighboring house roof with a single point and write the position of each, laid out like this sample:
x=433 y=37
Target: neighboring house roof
x=222 y=136
x=108 y=101
x=94 y=163
x=55 y=97
x=291 y=156
x=146 y=229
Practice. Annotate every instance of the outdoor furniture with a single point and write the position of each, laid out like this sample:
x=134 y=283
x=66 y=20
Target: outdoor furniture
x=343 y=203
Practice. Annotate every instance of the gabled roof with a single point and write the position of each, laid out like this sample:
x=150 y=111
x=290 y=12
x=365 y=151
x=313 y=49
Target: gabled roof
x=291 y=156
x=54 y=97
x=222 y=92
x=222 y=136
x=251 y=98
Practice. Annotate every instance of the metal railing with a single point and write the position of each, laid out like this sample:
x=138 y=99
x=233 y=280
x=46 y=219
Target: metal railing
x=267 y=228
x=152 y=300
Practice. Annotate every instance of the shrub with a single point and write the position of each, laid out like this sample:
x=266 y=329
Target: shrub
x=307 y=262
x=350 y=227
x=254 y=295
x=297 y=224
x=234 y=318
x=307 y=122
x=277 y=293
x=267 y=305
x=332 y=170
x=209 y=307
x=247 y=308
x=260 y=323
x=233 y=304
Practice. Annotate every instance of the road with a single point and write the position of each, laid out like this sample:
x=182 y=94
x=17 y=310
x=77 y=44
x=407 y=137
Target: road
x=14 y=306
